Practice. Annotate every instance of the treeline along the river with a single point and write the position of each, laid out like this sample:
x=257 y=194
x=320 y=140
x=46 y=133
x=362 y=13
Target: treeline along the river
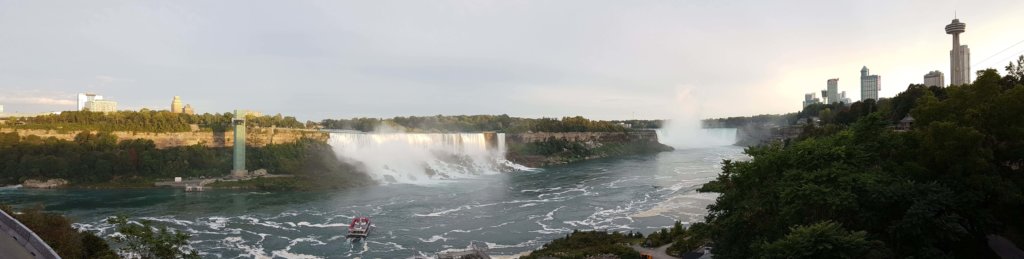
x=476 y=123
x=143 y=121
x=102 y=158
x=865 y=190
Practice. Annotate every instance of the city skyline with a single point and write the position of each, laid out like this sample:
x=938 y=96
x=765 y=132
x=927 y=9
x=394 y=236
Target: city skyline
x=336 y=61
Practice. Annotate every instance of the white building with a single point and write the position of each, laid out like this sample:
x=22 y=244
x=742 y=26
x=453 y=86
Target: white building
x=101 y=106
x=1 y=108
x=869 y=85
x=833 y=91
x=83 y=98
x=959 y=55
x=935 y=78
x=810 y=99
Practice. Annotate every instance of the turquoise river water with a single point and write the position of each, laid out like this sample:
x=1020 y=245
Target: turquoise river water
x=510 y=212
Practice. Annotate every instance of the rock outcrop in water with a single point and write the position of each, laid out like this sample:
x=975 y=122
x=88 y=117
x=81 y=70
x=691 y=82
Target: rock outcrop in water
x=48 y=184
x=541 y=149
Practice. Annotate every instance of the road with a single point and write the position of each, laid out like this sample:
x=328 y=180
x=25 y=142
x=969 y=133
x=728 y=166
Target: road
x=657 y=252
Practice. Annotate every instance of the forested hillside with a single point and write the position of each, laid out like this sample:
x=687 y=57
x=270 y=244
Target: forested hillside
x=102 y=158
x=867 y=191
x=143 y=121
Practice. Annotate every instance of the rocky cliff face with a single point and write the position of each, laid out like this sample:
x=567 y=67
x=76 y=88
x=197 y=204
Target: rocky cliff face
x=256 y=137
x=552 y=148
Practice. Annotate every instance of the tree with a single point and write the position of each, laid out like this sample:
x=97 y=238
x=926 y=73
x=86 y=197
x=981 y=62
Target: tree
x=1015 y=73
x=826 y=239
x=143 y=240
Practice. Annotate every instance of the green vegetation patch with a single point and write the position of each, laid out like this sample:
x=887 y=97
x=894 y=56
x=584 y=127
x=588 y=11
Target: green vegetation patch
x=581 y=244
x=143 y=121
x=101 y=161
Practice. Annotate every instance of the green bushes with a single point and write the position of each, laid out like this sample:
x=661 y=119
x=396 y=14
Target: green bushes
x=581 y=244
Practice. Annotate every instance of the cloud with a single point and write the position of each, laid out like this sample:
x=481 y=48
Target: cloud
x=45 y=99
x=37 y=100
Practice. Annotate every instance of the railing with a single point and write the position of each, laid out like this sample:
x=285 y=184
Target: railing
x=25 y=237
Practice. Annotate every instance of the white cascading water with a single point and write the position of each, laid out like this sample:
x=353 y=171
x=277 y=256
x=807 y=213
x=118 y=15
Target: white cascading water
x=684 y=128
x=422 y=157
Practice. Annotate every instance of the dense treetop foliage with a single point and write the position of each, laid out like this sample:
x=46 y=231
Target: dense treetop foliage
x=57 y=232
x=582 y=244
x=474 y=123
x=144 y=121
x=102 y=158
x=866 y=191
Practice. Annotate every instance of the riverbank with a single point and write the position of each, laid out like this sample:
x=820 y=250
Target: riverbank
x=102 y=160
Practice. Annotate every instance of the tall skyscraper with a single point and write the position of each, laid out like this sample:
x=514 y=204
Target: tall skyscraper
x=935 y=78
x=84 y=98
x=833 y=90
x=959 y=56
x=176 y=105
x=869 y=85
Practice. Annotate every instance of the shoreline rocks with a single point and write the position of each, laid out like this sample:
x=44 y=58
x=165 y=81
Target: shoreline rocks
x=48 y=184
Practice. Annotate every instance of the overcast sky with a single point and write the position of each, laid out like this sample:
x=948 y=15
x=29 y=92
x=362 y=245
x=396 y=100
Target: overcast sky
x=600 y=59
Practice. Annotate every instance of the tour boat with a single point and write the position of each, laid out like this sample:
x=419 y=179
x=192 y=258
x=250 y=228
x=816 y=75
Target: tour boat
x=359 y=228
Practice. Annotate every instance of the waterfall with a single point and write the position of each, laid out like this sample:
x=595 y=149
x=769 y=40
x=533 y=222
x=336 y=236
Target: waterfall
x=422 y=157
x=698 y=138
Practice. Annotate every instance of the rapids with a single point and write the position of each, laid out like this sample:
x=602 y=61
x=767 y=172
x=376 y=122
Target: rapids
x=511 y=212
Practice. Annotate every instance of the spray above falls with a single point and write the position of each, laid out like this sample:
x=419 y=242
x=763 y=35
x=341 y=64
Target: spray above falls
x=423 y=157
x=684 y=128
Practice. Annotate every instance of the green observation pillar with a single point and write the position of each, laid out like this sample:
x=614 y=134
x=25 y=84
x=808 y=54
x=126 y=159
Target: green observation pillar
x=239 y=157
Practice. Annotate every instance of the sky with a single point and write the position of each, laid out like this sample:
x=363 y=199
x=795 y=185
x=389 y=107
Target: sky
x=599 y=59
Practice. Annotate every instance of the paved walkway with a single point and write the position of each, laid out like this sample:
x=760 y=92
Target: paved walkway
x=10 y=249
x=657 y=252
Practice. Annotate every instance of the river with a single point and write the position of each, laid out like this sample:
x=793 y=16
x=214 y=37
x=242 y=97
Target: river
x=510 y=212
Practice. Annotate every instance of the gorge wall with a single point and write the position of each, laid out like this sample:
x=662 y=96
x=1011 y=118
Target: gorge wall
x=553 y=148
x=256 y=137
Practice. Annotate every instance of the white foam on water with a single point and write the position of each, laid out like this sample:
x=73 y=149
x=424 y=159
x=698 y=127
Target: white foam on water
x=432 y=239
x=239 y=243
x=422 y=158
x=329 y=225
x=545 y=229
x=11 y=187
